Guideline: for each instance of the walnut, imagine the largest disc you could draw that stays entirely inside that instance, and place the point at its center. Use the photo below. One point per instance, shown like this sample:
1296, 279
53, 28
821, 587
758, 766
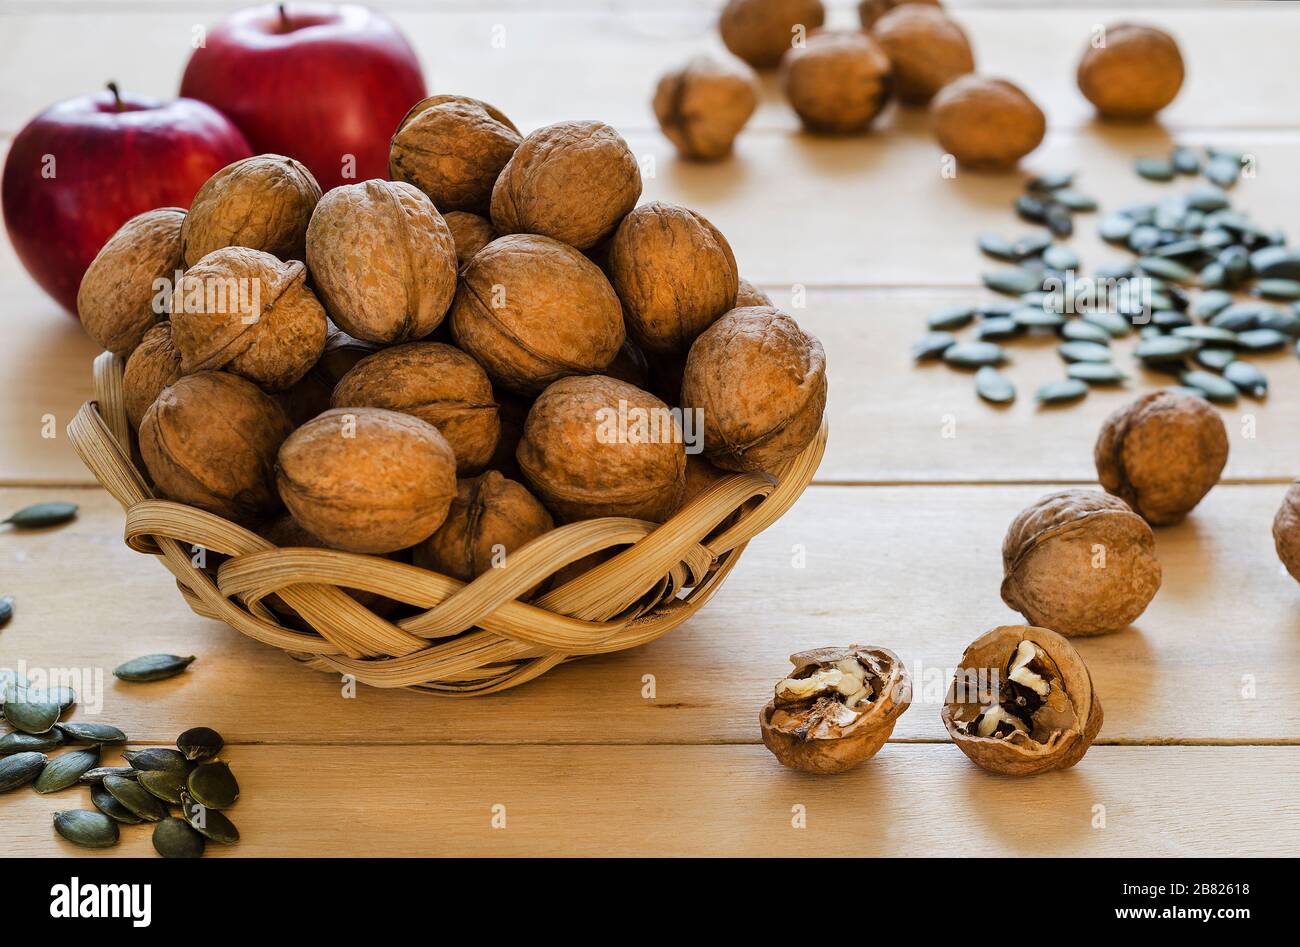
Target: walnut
310, 395
1136, 73
702, 107
761, 31
452, 148
926, 49
210, 440
383, 260
760, 382
512, 411
435, 383
153, 366
119, 301
1022, 702
869, 11
595, 446
1286, 531
836, 709
675, 274
700, 475
573, 181
532, 309
490, 518
747, 294
986, 123
470, 233
1161, 454
246, 312
262, 202
1081, 562
630, 365
284, 532
838, 82
366, 479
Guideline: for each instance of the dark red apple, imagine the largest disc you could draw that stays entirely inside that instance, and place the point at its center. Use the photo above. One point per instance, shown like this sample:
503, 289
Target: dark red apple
82, 168
326, 85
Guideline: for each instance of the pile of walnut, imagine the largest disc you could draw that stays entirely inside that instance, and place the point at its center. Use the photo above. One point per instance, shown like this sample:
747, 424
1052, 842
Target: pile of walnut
388, 361
839, 80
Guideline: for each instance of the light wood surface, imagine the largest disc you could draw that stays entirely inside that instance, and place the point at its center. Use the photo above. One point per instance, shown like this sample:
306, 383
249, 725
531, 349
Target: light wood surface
656, 750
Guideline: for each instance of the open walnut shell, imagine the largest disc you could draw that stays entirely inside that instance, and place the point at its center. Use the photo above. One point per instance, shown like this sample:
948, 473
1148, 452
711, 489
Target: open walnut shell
1022, 702
836, 708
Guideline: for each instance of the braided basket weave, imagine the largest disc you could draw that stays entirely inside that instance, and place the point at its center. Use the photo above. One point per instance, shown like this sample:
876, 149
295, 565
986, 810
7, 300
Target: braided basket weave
465, 639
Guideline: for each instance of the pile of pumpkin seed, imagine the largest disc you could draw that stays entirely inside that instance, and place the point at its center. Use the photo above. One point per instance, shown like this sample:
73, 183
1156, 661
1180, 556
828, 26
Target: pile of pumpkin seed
1191, 239
191, 777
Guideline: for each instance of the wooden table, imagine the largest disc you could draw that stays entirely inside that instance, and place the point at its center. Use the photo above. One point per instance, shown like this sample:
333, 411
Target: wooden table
897, 543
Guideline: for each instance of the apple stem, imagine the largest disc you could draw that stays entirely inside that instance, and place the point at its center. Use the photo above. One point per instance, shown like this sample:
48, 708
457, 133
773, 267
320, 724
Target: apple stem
117, 97
284, 16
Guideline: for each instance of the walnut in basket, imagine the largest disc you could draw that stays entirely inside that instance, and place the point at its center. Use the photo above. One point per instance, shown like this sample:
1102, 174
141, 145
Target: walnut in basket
210, 440
470, 232
153, 366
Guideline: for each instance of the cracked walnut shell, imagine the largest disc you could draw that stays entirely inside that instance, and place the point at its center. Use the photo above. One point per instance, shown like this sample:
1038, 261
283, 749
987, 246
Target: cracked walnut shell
1022, 702
762, 31
674, 273
1134, 73
366, 479
244, 311
118, 300
153, 366
531, 309
383, 261
837, 82
1286, 531
702, 107
1161, 454
595, 446
760, 382
436, 383
573, 182
926, 49
210, 440
452, 148
986, 123
836, 708
1081, 562
262, 202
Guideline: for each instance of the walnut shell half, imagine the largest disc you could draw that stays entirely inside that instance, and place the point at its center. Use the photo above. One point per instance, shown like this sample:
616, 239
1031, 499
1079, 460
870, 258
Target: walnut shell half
836, 709
702, 107
1286, 530
837, 82
1136, 73
986, 123
1161, 454
1080, 561
1022, 702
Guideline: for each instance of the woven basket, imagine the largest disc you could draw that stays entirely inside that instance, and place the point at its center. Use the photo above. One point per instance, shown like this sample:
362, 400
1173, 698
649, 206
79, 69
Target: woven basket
465, 639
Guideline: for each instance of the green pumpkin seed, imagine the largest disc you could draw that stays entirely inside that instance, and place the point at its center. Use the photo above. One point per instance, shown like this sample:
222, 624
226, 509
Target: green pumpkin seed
65, 697
974, 354
1155, 169
32, 712
1116, 228
1113, 324
1248, 379
1223, 172
999, 327
1237, 318
1060, 392
175, 838
1284, 321
1167, 269
1083, 352
210, 823
1075, 200
157, 758
95, 776
214, 786
152, 667
82, 732
1145, 238
140, 802
998, 247
1213, 276
932, 345
103, 800
1185, 160
1276, 263
996, 307
163, 784
1215, 387
990, 384
1261, 340
1051, 181
86, 828
1176, 248
6, 609
1206, 198
202, 743
1216, 359
1165, 348
1034, 317
954, 317
1210, 304
40, 515
1076, 330
1061, 258
1209, 334
1031, 245
20, 769
1013, 282
65, 770
19, 742
1278, 289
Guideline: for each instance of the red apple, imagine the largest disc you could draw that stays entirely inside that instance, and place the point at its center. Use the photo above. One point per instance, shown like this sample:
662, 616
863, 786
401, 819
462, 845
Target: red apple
82, 168
326, 85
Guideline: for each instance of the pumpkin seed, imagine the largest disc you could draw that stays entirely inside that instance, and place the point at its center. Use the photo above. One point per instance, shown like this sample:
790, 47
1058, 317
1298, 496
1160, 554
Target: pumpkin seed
1076, 330
1031, 208
1248, 379
92, 733
1013, 282
1166, 269
1223, 172
932, 345
140, 802
1278, 289
1113, 324
1051, 181
974, 354
997, 246
1237, 318
1213, 276
1164, 348
210, 823
202, 743
65, 770
1083, 352
1210, 334
1034, 317
163, 784
1178, 248
32, 712
1031, 245
157, 758
152, 667
1283, 320
1155, 169
20, 769
1144, 238
175, 838
996, 307
65, 697
1217, 239
1116, 228
1261, 340
19, 742
1206, 198
103, 800
96, 776
954, 317
1058, 220
999, 327
1215, 387
1075, 200
1276, 263
991, 385
1217, 359
86, 828
1185, 160
39, 515
6, 609
213, 784
1211, 303
1060, 392
1061, 258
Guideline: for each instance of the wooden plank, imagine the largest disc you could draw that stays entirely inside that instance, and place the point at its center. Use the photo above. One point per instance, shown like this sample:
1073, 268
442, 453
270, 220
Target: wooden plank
725, 800
916, 569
